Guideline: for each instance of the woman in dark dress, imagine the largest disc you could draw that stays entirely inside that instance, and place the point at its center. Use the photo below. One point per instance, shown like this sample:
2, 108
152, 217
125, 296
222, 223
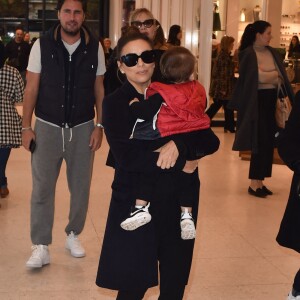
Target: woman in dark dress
289, 151
129, 260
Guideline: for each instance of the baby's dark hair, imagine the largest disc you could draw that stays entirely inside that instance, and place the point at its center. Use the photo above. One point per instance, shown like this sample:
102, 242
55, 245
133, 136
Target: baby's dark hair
177, 64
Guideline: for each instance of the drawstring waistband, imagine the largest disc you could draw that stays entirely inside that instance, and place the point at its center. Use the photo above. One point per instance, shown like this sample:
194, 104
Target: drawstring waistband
63, 137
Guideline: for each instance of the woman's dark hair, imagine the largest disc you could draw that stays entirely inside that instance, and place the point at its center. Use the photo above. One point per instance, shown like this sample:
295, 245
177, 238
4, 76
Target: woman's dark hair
159, 39
1, 54
60, 3
292, 46
130, 36
177, 64
173, 32
249, 35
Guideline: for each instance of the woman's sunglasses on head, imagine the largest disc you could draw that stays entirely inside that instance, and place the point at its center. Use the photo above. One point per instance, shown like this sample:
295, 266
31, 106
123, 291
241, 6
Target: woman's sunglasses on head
147, 23
131, 59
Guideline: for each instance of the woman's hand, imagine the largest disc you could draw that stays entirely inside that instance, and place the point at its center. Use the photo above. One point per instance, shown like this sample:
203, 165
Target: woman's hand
167, 156
190, 166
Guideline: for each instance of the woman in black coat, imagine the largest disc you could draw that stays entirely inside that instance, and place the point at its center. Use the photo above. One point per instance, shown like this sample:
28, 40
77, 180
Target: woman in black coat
129, 259
261, 72
289, 150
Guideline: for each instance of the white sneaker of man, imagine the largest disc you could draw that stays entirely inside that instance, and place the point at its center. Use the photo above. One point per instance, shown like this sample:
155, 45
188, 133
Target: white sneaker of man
291, 297
73, 244
40, 256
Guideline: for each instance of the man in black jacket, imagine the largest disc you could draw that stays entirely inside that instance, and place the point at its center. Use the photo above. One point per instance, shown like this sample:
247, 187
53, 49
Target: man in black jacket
17, 52
65, 82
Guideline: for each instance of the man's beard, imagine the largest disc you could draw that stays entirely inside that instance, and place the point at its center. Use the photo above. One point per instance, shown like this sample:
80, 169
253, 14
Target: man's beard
71, 33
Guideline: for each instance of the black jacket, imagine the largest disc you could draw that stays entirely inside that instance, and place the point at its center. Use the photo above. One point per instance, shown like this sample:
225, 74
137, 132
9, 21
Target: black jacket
122, 263
289, 150
66, 93
245, 101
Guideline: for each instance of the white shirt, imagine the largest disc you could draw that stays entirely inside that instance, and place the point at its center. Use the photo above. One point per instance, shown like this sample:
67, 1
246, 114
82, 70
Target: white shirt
35, 66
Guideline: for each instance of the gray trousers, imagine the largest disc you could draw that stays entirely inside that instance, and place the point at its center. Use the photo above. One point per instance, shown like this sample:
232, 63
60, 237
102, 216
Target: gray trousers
53, 145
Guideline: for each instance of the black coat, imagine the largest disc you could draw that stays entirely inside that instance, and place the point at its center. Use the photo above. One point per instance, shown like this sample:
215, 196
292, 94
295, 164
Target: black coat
128, 259
289, 150
245, 101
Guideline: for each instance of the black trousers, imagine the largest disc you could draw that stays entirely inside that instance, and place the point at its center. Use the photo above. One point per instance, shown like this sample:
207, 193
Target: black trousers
4, 155
261, 162
228, 113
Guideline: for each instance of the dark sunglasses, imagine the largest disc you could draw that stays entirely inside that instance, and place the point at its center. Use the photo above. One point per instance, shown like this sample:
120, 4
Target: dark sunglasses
147, 23
131, 59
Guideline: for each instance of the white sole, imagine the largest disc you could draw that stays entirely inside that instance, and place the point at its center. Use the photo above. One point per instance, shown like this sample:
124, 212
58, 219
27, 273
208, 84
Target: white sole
139, 221
73, 254
35, 266
188, 230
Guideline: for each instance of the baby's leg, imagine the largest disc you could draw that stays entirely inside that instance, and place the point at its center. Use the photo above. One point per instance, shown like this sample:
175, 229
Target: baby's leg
138, 216
187, 224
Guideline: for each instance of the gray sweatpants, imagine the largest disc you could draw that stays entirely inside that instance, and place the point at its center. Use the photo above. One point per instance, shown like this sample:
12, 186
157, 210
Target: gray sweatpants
53, 144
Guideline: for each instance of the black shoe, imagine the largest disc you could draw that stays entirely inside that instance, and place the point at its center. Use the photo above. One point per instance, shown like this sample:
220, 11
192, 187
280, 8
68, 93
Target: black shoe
258, 193
266, 190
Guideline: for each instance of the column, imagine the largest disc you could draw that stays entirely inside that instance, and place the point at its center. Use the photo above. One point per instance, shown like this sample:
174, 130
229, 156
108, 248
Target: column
205, 43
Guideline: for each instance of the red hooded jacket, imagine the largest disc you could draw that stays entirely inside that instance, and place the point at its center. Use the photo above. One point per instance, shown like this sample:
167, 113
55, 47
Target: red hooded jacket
184, 107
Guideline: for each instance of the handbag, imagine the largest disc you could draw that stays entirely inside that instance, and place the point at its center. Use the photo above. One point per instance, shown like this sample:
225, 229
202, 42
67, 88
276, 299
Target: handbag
283, 108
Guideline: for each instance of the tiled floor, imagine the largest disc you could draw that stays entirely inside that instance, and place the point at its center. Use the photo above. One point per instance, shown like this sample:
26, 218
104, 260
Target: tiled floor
236, 256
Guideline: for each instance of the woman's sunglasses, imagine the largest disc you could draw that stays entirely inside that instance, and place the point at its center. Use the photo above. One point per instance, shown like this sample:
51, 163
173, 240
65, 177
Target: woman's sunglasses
131, 59
147, 23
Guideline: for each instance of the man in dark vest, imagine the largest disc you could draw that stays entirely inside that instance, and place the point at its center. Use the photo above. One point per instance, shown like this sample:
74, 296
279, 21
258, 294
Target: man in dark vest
64, 84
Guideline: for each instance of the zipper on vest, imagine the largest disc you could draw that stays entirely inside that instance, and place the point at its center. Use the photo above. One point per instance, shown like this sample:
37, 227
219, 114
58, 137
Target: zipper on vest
70, 57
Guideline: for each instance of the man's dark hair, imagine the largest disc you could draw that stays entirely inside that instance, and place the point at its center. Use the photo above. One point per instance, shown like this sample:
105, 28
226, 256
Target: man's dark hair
19, 27
61, 2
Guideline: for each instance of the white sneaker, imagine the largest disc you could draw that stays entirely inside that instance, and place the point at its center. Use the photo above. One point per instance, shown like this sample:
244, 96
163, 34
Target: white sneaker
291, 297
73, 244
39, 257
137, 218
188, 230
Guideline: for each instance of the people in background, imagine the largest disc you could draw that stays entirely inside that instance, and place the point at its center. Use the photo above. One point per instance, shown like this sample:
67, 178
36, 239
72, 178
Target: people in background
11, 92
222, 80
288, 146
129, 260
63, 88
261, 73
17, 52
27, 37
294, 48
107, 50
175, 36
141, 20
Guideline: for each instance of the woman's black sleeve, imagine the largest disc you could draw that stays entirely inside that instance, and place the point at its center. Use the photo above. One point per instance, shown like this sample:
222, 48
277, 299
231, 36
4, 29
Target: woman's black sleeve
147, 109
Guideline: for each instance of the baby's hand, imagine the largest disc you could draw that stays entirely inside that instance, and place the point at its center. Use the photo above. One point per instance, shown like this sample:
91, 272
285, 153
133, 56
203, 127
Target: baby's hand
133, 100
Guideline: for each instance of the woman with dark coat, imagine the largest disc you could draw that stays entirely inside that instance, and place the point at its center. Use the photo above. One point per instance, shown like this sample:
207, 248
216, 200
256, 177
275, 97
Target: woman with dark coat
261, 73
129, 259
222, 80
289, 150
